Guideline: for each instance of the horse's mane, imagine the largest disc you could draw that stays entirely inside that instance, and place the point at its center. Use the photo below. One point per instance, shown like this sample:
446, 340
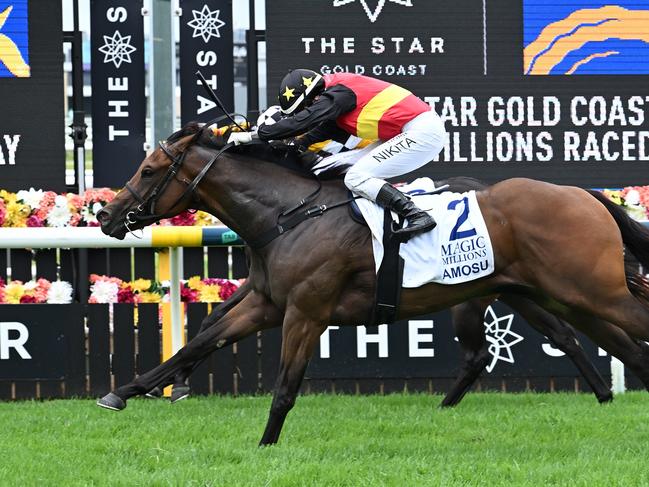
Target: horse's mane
280, 153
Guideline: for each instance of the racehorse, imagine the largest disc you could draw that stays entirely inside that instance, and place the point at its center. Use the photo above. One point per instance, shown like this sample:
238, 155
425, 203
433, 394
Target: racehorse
555, 245
467, 321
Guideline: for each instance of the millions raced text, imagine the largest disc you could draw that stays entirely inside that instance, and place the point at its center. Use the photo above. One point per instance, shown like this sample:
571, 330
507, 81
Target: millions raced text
526, 129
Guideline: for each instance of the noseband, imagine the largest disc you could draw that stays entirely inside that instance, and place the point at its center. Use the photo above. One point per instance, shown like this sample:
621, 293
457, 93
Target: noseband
145, 211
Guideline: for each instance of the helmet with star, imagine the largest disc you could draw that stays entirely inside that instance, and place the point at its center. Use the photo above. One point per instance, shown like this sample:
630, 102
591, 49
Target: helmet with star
298, 89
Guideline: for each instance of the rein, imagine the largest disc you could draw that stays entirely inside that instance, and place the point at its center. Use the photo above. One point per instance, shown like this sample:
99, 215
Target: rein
286, 220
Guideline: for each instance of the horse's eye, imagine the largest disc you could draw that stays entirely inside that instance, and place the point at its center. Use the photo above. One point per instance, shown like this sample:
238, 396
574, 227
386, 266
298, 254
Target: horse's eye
147, 173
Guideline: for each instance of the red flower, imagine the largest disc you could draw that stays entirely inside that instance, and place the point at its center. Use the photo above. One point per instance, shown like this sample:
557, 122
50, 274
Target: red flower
27, 299
227, 289
188, 295
125, 295
184, 219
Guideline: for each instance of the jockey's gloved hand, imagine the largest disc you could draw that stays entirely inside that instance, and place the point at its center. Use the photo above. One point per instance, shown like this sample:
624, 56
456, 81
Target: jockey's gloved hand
238, 138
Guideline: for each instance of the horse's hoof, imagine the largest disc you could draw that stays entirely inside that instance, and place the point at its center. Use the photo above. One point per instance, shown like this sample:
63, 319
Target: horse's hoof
606, 399
111, 401
154, 393
178, 393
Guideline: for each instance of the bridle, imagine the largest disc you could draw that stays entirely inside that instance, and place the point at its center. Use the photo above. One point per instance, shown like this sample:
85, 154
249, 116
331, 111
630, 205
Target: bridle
145, 211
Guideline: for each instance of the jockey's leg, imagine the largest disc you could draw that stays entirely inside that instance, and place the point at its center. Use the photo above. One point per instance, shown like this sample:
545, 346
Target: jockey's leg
420, 141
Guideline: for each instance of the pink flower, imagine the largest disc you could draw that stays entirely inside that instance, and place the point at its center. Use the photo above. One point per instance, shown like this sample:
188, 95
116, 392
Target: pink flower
227, 289
47, 203
75, 200
41, 290
210, 281
74, 221
188, 295
99, 195
34, 221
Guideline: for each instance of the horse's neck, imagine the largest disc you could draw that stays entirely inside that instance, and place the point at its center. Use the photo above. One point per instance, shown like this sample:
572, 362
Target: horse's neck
248, 195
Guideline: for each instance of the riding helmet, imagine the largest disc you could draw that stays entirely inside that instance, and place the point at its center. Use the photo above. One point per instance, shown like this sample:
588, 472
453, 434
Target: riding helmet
298, 89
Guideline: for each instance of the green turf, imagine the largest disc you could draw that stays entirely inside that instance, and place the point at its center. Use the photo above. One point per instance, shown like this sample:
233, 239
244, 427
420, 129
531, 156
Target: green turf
401, 440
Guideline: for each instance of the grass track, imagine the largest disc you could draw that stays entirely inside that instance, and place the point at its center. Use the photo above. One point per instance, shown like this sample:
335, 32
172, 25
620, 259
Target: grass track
402, 440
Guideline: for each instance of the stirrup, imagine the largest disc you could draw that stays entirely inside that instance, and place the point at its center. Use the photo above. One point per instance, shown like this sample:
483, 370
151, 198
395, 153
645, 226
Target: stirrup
411, 231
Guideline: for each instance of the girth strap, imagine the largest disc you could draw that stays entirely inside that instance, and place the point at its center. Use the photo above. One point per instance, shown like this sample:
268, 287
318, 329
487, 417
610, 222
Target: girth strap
390, 276
284, 226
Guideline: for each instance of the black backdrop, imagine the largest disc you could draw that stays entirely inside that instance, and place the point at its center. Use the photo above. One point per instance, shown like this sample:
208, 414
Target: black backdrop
482, 59
205, 45
32, 108
118, 102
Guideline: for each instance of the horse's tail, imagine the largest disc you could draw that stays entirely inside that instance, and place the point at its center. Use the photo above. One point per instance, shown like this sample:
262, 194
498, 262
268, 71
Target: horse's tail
637, 284
634, 235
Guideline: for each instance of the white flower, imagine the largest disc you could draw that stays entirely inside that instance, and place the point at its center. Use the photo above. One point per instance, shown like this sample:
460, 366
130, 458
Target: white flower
59, 215
60, 292
89, 213
31, 198
30, 285
104, 291
632, 198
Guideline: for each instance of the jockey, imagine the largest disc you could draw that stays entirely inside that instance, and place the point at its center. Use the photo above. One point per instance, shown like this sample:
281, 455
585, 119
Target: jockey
407, 134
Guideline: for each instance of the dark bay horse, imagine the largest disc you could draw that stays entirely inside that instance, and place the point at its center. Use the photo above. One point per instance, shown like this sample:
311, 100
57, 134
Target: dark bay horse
555, 245
468, 324
467, 321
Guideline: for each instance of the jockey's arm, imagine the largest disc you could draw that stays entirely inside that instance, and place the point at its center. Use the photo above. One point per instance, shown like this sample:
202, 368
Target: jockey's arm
329, 106
324, 132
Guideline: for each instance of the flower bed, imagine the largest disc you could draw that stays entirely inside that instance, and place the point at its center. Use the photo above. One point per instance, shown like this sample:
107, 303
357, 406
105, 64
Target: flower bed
105, 289
634, 199
36, 291
38, 208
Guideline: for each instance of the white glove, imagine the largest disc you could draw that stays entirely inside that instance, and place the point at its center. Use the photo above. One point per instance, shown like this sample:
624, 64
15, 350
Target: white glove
240, 138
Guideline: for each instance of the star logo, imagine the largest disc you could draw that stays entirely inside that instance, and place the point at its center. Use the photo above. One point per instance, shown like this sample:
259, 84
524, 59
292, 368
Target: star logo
307, 81
500, 337
206, 23
117, 49
288, 93
373, 14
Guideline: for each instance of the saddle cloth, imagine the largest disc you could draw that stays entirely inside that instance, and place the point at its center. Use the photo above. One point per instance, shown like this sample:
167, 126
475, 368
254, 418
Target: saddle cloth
458, 250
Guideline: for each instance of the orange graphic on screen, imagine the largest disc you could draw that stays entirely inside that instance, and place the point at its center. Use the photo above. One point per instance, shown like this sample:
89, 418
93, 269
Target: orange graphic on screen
10, 55
558, 39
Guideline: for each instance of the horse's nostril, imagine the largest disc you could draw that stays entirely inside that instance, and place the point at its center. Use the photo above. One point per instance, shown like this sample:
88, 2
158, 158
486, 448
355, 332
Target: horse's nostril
102, 216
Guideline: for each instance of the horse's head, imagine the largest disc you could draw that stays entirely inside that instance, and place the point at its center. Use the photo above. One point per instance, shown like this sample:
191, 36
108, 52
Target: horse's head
164, 185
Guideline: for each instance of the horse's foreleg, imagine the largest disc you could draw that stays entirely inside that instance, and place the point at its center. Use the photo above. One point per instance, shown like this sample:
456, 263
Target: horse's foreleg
468, 322
180, 387
255, 312
562, 336
299, 338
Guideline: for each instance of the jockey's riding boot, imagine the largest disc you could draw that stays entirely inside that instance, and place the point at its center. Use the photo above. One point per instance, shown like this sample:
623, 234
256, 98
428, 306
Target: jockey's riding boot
418, 220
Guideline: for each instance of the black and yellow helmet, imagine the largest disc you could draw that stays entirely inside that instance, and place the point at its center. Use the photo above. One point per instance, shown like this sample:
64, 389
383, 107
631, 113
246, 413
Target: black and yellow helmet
298, 88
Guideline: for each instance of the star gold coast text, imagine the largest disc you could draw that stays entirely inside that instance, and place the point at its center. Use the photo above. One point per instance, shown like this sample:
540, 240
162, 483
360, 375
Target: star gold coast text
411, 46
